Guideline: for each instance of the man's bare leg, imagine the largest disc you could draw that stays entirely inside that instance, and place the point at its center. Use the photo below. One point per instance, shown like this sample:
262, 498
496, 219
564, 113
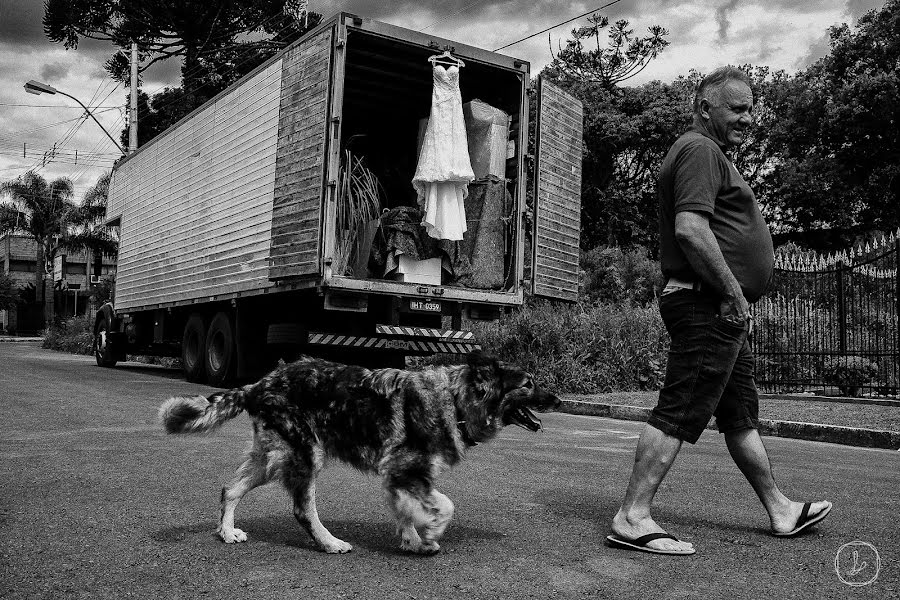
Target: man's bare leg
656, 451
749, 454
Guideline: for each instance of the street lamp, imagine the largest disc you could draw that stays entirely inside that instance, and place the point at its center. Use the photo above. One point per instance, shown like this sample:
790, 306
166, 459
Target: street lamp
36, 88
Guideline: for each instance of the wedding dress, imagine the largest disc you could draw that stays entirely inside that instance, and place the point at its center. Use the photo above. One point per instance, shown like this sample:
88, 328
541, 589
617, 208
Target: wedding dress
444, 169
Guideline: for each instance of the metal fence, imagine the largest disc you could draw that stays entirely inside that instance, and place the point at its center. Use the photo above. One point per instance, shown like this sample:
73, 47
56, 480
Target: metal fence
829, 324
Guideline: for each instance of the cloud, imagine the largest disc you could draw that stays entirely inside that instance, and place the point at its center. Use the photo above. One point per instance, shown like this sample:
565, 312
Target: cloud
722, 14
55, 71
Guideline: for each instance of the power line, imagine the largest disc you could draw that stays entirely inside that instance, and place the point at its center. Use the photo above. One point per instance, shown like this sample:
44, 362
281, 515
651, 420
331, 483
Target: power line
528, 37
52, 106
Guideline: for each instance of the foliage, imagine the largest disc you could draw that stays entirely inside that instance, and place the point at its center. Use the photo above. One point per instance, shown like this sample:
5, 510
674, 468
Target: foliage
9, 293
836, 141
86, 228
103, 291
211, 36
39, 209
219, 41
582, 349
627, 131
613, 275
848, 373
72, 335
623, 57
358, 202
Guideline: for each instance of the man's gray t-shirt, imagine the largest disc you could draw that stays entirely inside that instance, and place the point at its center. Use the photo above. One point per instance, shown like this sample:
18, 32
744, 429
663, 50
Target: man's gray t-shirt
697, 176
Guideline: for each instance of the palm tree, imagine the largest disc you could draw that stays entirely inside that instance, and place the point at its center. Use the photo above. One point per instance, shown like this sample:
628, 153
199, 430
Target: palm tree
87, 227
40, 209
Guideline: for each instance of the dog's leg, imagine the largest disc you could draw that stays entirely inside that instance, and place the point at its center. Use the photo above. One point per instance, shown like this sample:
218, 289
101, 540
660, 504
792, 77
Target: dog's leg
254, 472
301, 482
415, 509
440, 508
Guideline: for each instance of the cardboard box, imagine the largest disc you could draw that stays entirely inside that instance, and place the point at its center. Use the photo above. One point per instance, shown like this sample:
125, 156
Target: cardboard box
410, 270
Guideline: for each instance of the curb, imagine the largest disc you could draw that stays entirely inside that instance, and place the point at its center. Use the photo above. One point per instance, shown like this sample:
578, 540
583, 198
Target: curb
834, 434
838, 399
19, 340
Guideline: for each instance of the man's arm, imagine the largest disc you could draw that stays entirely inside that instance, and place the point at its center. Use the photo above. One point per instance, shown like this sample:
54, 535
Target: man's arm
697, 241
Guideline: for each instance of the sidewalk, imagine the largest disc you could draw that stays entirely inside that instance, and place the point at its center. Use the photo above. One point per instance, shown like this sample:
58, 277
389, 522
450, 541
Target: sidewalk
838, 421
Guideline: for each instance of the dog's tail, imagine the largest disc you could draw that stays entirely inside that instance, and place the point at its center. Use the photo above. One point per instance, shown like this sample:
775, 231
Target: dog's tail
198, 414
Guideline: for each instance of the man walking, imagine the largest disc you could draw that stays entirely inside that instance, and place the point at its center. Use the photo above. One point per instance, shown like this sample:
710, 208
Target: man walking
716, 255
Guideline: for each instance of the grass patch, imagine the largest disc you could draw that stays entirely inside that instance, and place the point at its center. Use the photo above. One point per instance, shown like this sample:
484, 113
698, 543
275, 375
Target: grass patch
577, 349
71, 335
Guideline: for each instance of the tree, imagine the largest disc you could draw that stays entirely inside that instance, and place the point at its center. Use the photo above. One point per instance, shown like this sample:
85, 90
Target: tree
87, 230
623, 57
837, 137
41, 210
9, 294
206, 34
624, 128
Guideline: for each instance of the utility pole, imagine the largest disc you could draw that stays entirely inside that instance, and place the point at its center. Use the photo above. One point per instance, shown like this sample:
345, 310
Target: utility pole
133, 112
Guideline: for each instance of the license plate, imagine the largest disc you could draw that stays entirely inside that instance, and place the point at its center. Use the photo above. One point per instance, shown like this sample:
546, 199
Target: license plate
424, 306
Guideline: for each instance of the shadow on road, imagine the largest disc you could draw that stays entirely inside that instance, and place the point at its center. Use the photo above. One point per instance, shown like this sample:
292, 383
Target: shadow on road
373, 536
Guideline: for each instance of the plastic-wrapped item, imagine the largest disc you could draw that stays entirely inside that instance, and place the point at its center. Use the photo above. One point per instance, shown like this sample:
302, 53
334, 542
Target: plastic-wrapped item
487, 130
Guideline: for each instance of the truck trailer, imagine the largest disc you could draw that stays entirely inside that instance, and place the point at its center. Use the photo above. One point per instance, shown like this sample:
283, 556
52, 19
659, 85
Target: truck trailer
279, 217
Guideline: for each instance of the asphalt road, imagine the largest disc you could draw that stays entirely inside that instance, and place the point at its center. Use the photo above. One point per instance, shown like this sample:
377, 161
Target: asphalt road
97, 502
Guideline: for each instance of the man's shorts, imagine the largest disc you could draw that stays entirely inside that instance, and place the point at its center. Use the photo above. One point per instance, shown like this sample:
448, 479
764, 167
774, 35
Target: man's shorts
710, 369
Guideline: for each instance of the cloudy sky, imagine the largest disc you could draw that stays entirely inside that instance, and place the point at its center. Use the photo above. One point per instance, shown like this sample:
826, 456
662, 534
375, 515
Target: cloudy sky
783, 34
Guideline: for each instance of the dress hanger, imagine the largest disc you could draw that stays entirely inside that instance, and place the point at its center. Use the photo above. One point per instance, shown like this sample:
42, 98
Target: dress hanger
446, 58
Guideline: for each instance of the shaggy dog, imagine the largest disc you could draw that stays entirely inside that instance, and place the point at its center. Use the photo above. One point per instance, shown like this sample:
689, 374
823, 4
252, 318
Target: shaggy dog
406, 426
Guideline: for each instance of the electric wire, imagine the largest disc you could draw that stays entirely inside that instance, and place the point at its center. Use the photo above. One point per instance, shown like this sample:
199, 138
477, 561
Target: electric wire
529, 36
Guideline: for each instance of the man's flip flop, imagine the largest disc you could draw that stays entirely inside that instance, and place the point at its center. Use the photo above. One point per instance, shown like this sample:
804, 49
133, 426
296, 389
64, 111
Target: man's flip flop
641, 543
805, 520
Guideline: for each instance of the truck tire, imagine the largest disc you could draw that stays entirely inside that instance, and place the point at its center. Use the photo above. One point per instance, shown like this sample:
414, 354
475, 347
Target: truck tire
103, 350
221, 351
193, 349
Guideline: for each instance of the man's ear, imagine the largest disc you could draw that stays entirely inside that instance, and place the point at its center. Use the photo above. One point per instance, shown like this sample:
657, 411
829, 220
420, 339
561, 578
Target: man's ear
704, 107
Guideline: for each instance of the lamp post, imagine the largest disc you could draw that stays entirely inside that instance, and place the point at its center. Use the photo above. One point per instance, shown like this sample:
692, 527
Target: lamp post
36, 87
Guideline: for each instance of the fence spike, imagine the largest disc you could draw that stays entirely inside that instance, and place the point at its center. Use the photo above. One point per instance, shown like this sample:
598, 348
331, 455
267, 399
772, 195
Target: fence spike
868, 248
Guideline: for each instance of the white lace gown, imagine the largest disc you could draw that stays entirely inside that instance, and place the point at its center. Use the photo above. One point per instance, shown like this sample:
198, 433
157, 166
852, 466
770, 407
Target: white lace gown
444, 169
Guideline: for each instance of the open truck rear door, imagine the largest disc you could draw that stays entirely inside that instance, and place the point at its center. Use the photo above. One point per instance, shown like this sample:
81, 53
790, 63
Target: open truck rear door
557, 194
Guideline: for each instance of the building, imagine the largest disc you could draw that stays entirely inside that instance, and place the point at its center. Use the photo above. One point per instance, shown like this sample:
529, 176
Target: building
67, 286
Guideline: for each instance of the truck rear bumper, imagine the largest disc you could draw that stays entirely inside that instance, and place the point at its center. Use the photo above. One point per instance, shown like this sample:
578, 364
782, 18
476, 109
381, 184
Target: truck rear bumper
443, 292
410, 340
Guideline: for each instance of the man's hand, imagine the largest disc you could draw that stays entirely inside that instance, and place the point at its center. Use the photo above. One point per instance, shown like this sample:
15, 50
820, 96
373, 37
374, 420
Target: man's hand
736, 309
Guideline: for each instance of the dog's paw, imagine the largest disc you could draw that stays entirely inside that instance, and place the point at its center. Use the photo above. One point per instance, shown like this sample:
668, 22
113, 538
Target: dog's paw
336, 546
426, 548
232, 536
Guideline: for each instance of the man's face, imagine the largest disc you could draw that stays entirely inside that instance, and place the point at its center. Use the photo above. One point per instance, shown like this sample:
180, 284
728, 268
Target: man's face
728, 112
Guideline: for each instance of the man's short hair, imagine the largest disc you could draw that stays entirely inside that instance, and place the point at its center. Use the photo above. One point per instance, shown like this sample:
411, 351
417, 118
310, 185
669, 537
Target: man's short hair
712, 83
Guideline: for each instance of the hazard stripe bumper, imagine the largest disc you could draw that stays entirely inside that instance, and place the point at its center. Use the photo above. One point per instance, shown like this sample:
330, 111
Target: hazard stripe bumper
411, 346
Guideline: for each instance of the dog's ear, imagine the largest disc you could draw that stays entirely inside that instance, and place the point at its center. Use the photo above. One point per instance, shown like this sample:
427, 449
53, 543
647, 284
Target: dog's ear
482, 367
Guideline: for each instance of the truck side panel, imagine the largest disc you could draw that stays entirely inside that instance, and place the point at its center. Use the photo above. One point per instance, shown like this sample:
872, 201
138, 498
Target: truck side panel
196, 205
300, 172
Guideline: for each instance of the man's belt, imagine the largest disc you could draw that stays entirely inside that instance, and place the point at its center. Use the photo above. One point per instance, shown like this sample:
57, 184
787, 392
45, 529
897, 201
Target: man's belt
685, 285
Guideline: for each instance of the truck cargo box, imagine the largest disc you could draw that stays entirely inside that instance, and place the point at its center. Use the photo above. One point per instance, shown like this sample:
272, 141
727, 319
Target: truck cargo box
241, 197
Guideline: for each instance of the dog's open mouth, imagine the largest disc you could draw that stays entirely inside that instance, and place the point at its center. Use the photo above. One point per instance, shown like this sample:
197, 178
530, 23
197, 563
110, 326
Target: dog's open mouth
523, 417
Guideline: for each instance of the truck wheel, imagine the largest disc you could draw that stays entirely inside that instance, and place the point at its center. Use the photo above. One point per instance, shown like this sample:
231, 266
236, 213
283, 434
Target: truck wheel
102, 348
193, 349
221, 352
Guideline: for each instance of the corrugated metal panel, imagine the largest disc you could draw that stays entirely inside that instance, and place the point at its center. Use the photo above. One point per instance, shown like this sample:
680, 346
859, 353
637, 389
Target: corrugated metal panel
299, 174
557, 194
196, 204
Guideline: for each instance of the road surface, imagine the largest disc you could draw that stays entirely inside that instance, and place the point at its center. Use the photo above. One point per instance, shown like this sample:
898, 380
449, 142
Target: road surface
97, 502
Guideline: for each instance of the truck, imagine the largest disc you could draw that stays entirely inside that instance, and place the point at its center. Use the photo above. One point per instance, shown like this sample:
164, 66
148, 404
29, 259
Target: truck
270, 220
